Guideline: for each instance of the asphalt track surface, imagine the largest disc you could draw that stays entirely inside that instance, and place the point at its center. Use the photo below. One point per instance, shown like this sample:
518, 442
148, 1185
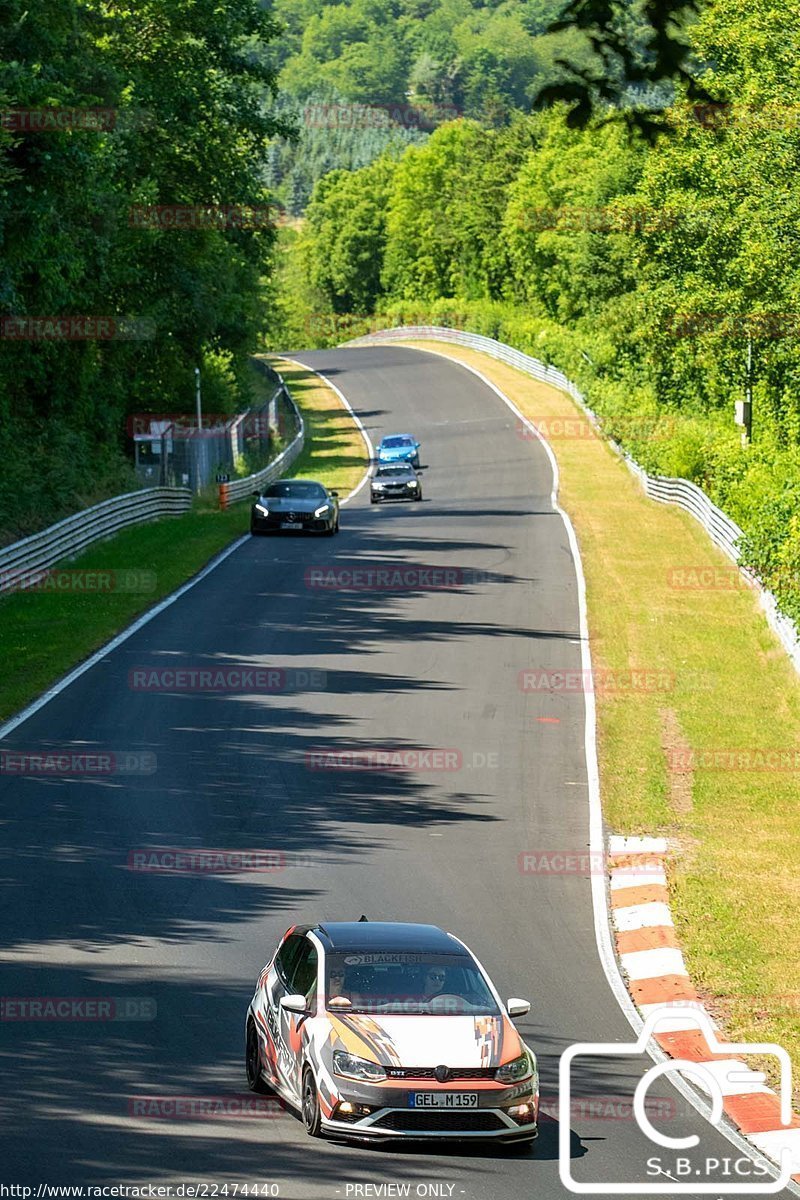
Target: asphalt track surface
416, 668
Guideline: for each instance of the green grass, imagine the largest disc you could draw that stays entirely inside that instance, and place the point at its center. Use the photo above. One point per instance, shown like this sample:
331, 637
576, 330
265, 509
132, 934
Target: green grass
334, 450
44, 634
734, 882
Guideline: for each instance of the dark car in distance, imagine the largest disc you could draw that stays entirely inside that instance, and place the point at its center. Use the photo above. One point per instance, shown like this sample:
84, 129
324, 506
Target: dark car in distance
295, 505
395, 481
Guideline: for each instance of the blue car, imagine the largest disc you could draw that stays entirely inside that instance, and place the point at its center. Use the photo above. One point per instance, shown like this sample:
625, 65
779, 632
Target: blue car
399, 447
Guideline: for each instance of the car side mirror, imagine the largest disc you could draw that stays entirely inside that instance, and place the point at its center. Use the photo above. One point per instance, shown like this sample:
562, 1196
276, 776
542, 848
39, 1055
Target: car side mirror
517, 1007
294, 1003
336, 494
257, 495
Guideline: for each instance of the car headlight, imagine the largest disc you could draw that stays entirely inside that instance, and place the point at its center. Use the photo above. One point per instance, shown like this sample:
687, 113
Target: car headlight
323, 508
516, 1070
353, 1067
412, 483
262, 510
378, 487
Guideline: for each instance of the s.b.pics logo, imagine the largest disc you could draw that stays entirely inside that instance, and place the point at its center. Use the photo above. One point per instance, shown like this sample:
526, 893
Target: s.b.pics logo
721, 1073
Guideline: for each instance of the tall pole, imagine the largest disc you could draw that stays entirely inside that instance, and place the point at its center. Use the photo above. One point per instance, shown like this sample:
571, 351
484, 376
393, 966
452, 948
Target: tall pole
197, 397
747, 432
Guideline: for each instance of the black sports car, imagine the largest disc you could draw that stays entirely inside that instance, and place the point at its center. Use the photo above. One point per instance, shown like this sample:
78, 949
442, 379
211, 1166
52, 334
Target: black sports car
395, 481
299, 505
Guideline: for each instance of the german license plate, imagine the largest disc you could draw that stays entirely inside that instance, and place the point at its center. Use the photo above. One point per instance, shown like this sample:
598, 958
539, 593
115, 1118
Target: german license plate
443, 1100
291, 524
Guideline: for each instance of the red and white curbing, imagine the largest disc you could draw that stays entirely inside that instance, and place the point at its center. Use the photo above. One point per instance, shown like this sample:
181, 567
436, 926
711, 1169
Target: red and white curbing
657, 977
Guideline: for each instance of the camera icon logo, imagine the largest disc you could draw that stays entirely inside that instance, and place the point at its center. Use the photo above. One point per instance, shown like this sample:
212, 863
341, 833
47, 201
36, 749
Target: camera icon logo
721, 1076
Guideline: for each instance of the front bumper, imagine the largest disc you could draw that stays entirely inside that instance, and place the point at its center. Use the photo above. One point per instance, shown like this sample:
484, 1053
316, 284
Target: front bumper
392, 1116
274, 524
400, 493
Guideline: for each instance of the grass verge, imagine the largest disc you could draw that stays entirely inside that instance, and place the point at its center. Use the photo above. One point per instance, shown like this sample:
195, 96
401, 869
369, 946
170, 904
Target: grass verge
334, 450
45, 634
684, 756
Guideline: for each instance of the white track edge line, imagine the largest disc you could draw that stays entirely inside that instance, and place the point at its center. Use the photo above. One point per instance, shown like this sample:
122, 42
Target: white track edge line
602, 924
358, 422
76, 672
100, 654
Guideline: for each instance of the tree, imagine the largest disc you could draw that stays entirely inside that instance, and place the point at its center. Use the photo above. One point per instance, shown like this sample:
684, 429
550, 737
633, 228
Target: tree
188, 125
347, 235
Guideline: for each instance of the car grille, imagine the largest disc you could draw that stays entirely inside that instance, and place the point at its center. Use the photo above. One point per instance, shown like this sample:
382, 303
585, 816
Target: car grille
430, 1073
431, 1121
278, 518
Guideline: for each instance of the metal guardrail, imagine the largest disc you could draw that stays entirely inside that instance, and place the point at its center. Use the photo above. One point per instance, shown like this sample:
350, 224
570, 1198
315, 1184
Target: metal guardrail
723, 532
242, 489
23, 563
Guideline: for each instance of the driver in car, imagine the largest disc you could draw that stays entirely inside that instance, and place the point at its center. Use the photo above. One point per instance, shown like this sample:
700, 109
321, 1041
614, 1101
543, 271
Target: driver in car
433, 982
341, 985
336, 985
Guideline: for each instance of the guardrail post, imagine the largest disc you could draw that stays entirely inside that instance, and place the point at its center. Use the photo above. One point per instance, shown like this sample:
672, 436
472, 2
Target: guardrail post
223, 496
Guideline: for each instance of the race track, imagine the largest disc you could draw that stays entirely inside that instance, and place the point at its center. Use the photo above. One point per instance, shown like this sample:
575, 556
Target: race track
412, 667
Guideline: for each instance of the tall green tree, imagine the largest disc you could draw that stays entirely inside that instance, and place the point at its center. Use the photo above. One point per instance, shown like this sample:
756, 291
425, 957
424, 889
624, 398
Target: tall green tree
187, 87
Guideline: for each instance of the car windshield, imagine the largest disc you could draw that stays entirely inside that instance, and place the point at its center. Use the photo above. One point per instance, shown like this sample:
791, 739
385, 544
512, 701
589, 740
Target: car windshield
390, 982
292, 490
394, 443
400, 470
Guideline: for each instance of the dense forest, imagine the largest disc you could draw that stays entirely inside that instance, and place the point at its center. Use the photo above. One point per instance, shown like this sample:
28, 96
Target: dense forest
660, 271
113, 109
110, 109
472, 55
664, 277
366, 76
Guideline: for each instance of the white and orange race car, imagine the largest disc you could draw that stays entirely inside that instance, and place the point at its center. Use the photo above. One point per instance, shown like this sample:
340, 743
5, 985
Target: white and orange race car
384, 1030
